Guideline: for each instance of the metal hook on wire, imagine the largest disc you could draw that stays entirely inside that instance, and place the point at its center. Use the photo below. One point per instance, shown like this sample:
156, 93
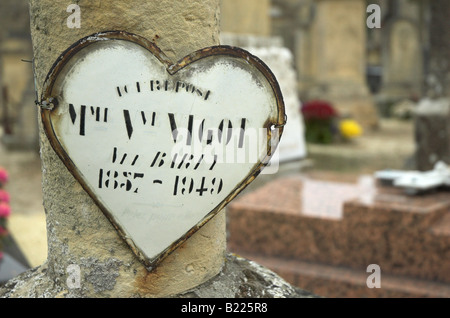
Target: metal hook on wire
51, 102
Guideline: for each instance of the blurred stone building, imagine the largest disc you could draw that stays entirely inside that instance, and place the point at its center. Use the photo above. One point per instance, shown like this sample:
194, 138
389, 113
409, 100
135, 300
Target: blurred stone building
363, 72
18, 114
338, 58
401, 68
328, 39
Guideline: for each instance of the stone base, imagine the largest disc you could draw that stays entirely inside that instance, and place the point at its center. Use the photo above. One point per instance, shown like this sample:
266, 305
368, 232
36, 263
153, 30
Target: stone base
242, 278
239, 278
345, 282
346, 227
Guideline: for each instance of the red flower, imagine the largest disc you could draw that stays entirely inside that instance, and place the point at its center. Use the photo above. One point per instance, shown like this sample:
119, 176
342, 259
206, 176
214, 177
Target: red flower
4, 196
318, 109
5, 210
3, 176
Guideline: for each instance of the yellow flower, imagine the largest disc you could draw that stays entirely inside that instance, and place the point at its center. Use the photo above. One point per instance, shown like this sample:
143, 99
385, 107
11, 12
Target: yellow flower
350, 128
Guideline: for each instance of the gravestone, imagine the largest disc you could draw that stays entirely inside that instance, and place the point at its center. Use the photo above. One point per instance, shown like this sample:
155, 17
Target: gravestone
328, 243
18, 114
402, 61
432, 117
432, 132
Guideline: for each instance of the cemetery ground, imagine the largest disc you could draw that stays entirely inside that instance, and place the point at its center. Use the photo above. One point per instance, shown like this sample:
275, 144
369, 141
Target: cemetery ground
390, 146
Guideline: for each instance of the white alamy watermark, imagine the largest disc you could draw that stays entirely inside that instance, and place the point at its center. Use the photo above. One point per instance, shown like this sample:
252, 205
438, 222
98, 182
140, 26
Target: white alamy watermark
374, 279
74, 20
374, 19
228, 145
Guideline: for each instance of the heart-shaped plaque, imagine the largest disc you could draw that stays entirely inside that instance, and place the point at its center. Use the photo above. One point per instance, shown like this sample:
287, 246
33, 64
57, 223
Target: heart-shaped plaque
160, 147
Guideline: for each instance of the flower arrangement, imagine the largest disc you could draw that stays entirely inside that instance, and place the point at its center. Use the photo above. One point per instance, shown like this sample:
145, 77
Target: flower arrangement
5, 209
324, 125
349, 129
319, 117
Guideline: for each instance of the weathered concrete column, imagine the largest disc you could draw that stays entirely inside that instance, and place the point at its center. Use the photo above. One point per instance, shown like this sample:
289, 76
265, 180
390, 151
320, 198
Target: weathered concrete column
78, 232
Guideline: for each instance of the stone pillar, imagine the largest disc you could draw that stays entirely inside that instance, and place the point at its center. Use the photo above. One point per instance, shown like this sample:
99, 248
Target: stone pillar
245, 17
432, 116
402, 56
16, 76
432, 133
438, 76
80, 237
402, 77
334, 47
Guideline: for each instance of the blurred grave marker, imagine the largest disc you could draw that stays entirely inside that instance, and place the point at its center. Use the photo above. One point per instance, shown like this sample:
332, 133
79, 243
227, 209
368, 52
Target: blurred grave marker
432, 133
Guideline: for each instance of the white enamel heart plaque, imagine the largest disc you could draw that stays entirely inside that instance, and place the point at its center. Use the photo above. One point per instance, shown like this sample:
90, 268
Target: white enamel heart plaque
160, 147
